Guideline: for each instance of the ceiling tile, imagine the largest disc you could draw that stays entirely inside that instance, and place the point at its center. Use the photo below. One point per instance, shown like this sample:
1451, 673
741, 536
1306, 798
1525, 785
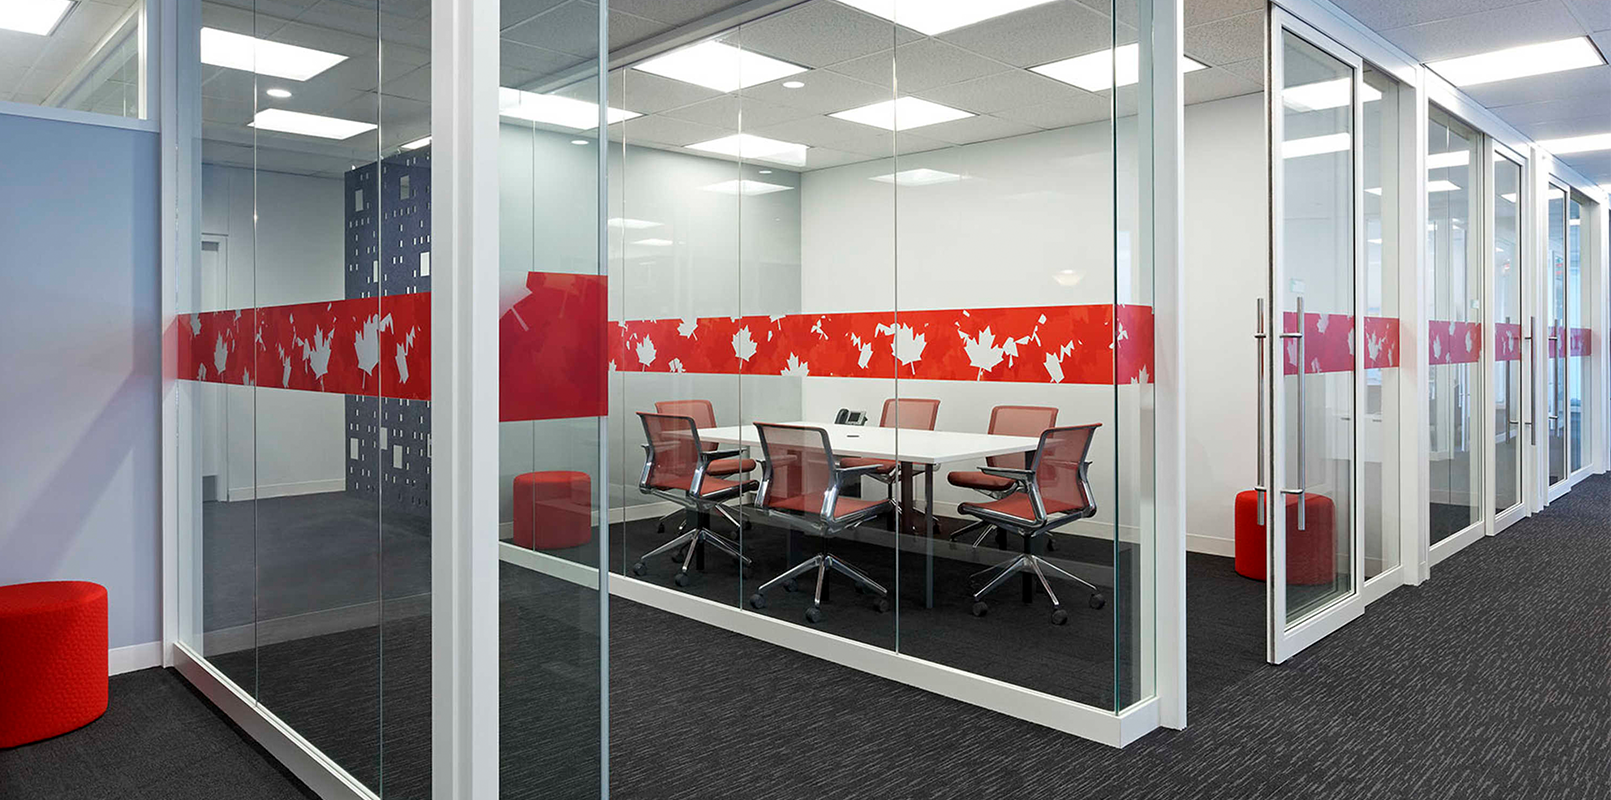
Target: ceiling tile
20, 49
1039, 35
821, 33
975, 129
673, 13
885, 143
1595, 13
665, 130
1380, 15
813, 131
1597, 122
1249, 70
1011, 89
728, 111
1512, 26
1090, 108
415, 85
922, 65
1525, 114
1578, 83
87, 23
1216, 84
1126, 11
1198, 12
647, 94
627, 29
534, 59
1227, 40
571, 28
515, 12
823, 157
824, 92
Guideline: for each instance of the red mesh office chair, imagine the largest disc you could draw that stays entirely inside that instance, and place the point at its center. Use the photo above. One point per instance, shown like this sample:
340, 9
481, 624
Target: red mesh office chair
800, 487
704, 416
1007, 421
909, 413
1054, 491
677, 469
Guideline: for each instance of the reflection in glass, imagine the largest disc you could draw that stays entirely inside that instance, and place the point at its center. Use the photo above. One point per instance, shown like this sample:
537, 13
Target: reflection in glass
1509, 375
1379, 429
1453, 309
1555, 370
1316, 306
1575, 343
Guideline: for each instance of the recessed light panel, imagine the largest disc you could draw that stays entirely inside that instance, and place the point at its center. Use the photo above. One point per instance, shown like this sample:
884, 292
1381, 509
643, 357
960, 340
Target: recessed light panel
417, 144
654, 242
902, 113
1316, 145
918, 177
1105, 69
932, 17
38, 17
552, 109
631, 224
282, 121
719, 66
746, 187
1519, 62
237, 51
1577, 144
757, 148
1453, 158
1322, 95
1441, 186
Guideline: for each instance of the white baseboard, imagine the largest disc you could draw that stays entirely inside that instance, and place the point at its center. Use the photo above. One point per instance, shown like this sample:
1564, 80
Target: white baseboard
1211, 545
268, 490
135, 656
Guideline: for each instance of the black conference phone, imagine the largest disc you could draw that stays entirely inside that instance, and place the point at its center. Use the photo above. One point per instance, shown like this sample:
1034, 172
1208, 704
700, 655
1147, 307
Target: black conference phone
849, 417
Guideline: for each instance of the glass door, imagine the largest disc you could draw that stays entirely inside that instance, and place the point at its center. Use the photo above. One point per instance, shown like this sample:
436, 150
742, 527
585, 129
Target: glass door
1556, 353
1511, 360
1310, 357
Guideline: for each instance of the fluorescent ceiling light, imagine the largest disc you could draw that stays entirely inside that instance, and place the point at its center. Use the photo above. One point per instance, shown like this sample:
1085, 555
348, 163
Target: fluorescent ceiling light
282, 121
38, 17
1453, 158
1509, 198
238, 51
794, 84
902, 113
1577, 144
552, 109
918, 177
278, 94
1519, 62
1322, 95
1315, 145
654, 242
1440, 186
746, 187
632, 224
718, 66
417, 144
932, 17
1574, 222
760, 148
1375, 191
1104, 69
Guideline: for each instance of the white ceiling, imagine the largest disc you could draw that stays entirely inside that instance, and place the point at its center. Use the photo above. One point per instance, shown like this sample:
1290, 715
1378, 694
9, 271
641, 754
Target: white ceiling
31, 67
1570, 103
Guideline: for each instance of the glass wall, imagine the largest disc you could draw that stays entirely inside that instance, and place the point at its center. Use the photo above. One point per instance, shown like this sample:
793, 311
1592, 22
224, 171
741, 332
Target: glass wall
1579, 313
1510, 377
799, 248
304, 352
1379, 431
84, 56
1556, 310
1454, 313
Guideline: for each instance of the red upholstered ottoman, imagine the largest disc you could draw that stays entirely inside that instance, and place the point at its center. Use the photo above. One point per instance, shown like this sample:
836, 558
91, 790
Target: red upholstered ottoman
553, 510
1311, 553
52, 659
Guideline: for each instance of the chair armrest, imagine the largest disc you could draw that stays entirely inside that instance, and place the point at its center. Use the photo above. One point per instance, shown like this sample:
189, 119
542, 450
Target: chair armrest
1008, 472
846, 473
717, 455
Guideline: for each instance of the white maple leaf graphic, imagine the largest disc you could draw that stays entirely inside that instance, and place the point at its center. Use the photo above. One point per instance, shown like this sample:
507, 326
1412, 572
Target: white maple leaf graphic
220, 355
796, 367
367, 342
285, 368
1054, 368
195, 324
687, 327
983, 353
743, 344
1373, 346
1437, 347
1322, 322
646, 352
904, 343
1468, 341
676, 365
317, 352
1142, 377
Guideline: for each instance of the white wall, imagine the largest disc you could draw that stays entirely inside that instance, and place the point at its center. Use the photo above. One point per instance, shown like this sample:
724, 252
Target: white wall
278, 441
80, 328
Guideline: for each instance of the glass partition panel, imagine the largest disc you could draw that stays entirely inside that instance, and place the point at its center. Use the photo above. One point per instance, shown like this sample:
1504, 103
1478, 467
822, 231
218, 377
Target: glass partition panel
1579, 310
83, 56
1380, 478
552, 400
1555, 310
1453, 308
1510, 379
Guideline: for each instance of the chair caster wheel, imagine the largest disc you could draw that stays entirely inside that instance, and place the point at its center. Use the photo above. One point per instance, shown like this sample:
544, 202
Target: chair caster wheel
881, 605
677, 555
790, 586
813, 615
640, 569
1098, 601
1059, 617
757, 601
1051, 545
980, 608
681, 579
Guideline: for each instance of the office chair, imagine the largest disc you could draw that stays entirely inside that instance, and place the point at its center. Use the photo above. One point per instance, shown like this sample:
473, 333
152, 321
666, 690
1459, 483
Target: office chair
1006, 421
800, 488
677, 469
908, 413
1054, 491
704, 416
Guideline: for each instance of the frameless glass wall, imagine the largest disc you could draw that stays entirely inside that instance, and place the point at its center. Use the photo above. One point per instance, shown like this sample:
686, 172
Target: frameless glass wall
304, 363
1454, 324
1380, 480
1510, 376
1579, 313
920, 236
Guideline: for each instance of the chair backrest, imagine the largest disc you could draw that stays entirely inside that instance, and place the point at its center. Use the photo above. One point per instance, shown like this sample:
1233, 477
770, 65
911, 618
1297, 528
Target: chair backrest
911, 413
1019, 421
798, 466
673, 451
701, 411
1060, 467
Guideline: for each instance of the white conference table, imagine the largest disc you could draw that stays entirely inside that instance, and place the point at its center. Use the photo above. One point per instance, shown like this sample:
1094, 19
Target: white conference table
928, 448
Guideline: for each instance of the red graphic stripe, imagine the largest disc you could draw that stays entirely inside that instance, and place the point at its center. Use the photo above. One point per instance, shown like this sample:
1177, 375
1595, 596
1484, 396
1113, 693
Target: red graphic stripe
551, 362
1052, 344
1328, 343
1507, 341
1453, 342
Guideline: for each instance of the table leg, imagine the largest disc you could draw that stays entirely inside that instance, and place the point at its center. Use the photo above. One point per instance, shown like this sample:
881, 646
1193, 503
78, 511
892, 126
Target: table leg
905, 524
928, 537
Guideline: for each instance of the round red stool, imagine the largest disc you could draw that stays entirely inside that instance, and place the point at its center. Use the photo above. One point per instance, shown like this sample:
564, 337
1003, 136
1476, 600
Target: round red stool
1311, 552
52, 659
553, 510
